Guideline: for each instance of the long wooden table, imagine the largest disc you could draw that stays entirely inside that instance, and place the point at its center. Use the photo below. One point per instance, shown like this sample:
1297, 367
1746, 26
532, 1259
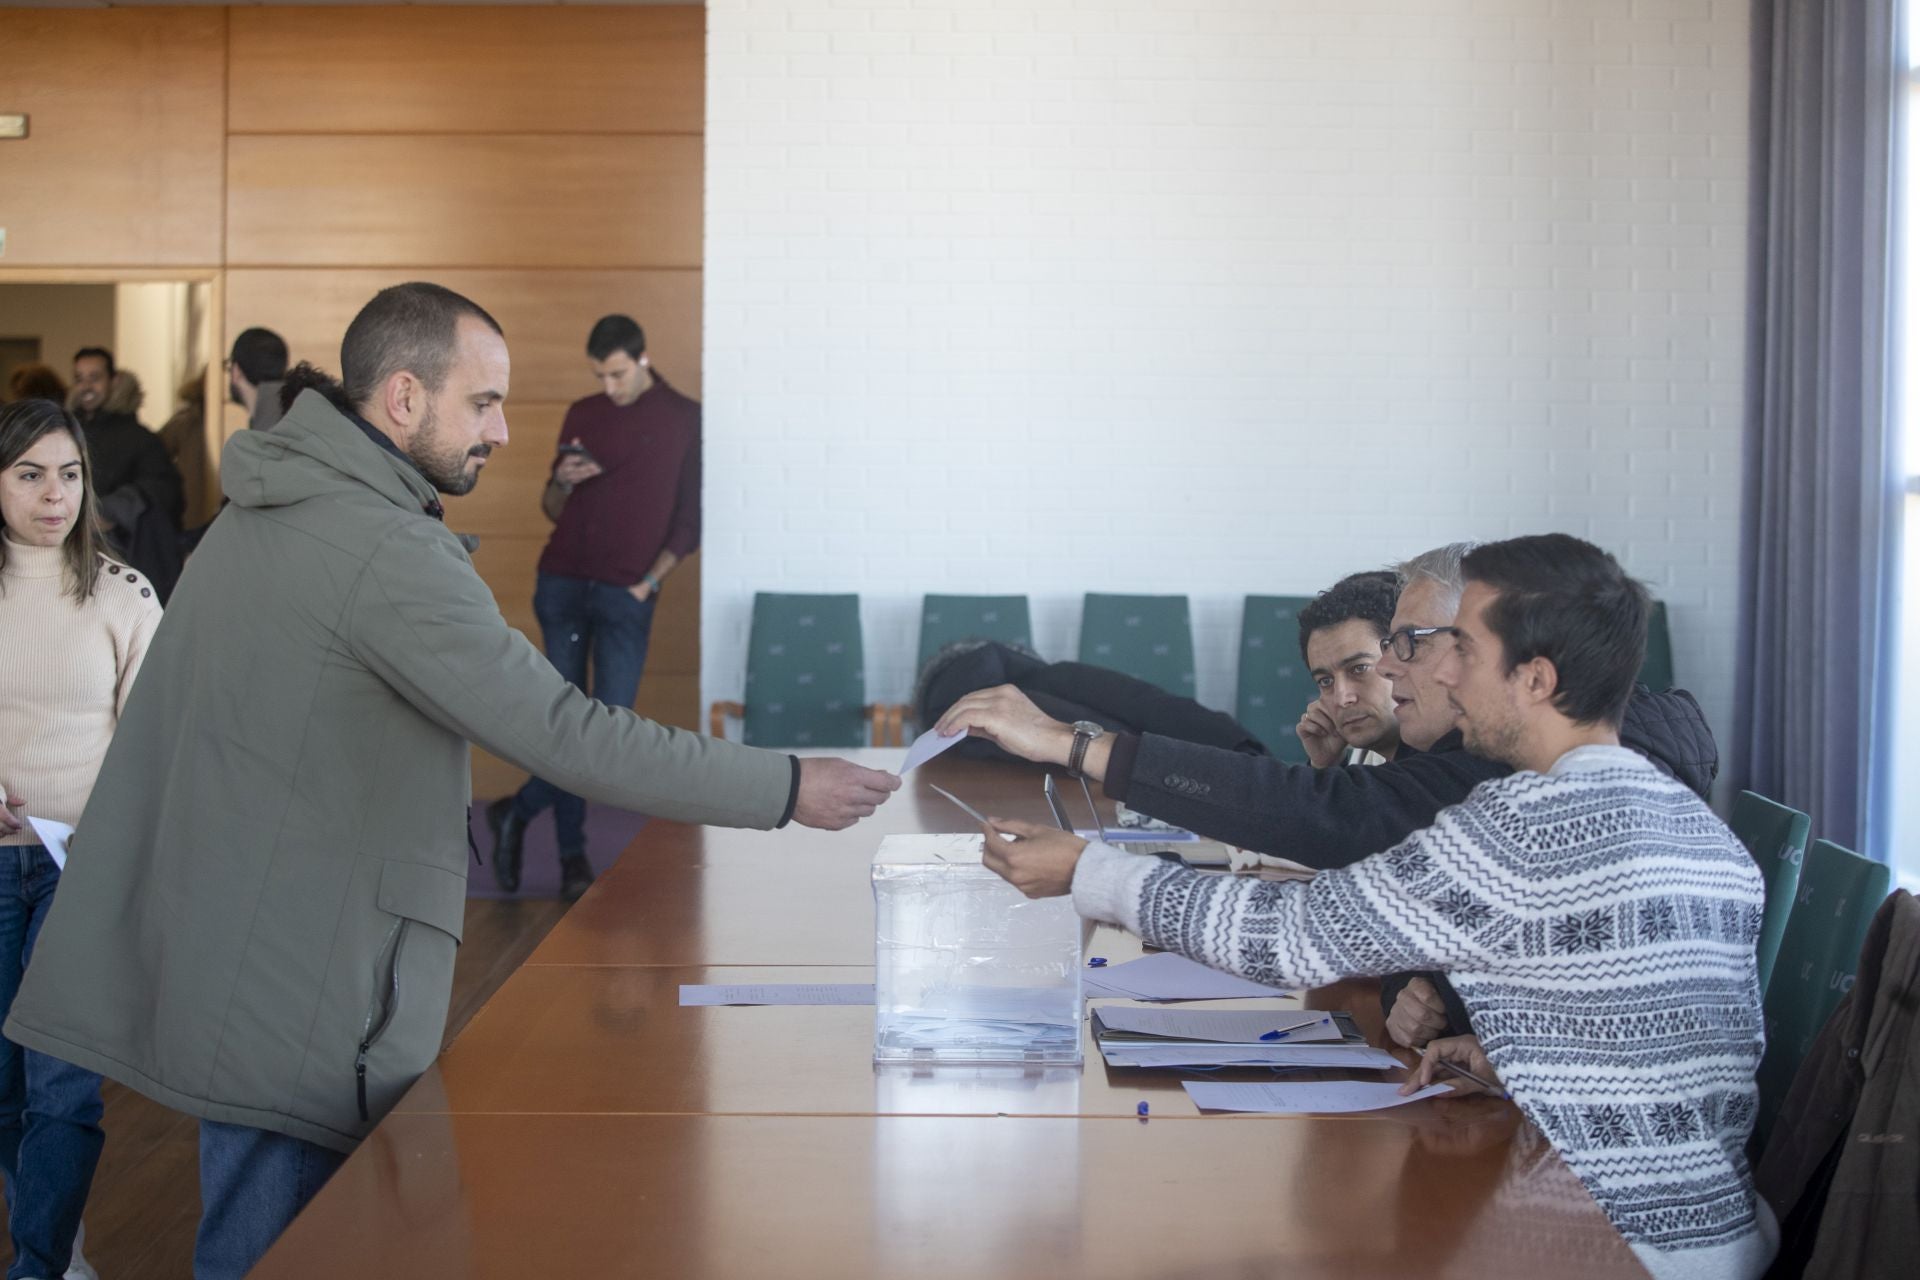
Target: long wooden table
584, 1124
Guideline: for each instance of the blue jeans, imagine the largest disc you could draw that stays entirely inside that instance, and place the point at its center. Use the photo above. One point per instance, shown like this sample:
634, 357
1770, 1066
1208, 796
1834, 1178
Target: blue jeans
579, 617
252, 1184
50, 1135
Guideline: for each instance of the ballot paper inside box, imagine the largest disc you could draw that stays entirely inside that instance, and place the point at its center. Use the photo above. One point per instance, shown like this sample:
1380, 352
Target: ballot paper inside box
966, 967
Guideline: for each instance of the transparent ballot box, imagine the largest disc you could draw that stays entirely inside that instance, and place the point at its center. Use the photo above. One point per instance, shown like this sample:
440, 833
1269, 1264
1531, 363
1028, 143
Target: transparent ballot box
966, 968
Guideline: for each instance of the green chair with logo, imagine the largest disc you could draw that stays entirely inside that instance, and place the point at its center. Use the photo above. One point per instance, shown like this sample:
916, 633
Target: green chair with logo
1148, 637
1275, 686
806, 677
945, 620
1839, 892
1657, 671
1776, 836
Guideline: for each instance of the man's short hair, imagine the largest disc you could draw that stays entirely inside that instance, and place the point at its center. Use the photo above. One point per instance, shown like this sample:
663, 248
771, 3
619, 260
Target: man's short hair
1570, 602
98, 353
260, 355
407, 327
1367, 596
1440, 565
616, 333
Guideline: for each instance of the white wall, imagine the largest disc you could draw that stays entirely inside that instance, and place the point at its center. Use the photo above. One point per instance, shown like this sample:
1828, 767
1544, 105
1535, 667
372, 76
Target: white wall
1216, 297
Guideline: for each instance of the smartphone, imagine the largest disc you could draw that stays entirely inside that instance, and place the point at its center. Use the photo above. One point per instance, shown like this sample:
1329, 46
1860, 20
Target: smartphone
575, 449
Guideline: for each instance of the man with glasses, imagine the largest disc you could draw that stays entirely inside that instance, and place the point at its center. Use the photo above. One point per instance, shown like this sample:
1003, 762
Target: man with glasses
1332, 817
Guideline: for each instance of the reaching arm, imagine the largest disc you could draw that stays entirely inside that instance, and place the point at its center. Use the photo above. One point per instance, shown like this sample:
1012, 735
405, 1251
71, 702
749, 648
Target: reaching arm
1412, 907
425, 623
1317, 817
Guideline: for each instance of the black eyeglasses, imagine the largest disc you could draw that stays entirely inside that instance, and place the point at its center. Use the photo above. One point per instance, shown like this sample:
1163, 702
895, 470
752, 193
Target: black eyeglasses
1405, 642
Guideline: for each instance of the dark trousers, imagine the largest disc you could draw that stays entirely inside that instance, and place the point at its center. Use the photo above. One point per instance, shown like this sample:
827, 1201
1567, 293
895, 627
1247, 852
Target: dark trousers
50, 1136
581, 618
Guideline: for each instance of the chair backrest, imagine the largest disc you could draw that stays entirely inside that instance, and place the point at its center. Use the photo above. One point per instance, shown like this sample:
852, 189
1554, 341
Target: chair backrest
1776, 836
1148, 637
1275, 686
945, 619
1657, 671
806, 672
1839, 892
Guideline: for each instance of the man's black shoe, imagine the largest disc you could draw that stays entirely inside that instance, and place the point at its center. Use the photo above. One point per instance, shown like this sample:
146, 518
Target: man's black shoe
576, 875
508, 831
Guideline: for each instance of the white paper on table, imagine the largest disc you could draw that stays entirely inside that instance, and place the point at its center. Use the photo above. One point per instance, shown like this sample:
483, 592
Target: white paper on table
54, 835
927, 746
1352, 1057
778, 993
1321, 1097
1164, 976
1223, 1026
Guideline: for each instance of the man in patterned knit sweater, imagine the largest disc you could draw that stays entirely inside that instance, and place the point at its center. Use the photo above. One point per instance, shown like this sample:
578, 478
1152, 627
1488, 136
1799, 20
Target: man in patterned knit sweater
1597, 919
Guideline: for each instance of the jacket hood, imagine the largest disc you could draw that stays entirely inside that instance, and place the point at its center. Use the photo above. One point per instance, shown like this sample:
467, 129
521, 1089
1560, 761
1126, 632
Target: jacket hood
316, 451
125, 395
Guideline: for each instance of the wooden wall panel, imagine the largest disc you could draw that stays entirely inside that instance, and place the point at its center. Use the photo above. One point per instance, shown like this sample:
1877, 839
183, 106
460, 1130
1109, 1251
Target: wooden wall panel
429, 201
569, 69
122, 165
546, 315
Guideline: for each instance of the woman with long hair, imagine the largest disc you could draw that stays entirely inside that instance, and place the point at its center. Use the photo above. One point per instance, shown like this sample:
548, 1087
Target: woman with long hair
74, 625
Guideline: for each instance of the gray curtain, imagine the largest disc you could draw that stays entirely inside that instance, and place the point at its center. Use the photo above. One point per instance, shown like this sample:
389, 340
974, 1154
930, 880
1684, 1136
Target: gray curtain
1814, 678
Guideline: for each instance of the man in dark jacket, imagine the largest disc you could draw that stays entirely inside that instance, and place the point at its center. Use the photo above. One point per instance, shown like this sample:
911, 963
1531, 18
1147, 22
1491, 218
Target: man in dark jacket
1335, 816
141, 496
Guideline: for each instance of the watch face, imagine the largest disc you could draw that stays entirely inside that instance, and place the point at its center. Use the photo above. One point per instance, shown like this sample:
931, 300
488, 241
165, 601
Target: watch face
1088, 727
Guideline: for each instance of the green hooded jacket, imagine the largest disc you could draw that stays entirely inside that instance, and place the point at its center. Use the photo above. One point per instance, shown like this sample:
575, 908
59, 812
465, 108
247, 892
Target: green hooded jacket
258, 918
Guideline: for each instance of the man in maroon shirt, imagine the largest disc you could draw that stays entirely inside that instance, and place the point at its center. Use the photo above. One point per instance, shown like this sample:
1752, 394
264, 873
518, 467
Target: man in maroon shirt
624, 499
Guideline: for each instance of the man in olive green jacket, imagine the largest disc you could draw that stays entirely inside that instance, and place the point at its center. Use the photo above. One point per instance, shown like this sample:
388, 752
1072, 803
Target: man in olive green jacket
258, 920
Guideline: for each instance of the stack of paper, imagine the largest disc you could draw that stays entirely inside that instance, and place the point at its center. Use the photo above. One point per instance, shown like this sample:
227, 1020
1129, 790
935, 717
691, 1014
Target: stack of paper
1165, 976
1315, 1096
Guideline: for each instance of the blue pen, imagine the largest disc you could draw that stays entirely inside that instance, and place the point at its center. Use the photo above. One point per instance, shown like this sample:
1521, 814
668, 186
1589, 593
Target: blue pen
1096, 962
1276, 1035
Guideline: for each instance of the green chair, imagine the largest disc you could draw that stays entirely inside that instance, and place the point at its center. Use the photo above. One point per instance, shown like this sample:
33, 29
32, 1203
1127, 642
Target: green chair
1776, 836
806, 677
1148, 637
1657, 671
1275, 686
946, 619
1839, 892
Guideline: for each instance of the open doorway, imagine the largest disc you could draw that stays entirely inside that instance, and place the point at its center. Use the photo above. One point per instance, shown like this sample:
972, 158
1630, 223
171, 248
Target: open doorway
160, 333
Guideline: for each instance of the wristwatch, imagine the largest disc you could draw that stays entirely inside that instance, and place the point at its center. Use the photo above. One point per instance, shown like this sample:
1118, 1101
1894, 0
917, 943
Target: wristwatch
1084, 732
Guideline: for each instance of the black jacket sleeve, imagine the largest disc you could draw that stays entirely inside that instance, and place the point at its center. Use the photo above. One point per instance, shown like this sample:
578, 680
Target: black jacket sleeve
152, 473
1317, 817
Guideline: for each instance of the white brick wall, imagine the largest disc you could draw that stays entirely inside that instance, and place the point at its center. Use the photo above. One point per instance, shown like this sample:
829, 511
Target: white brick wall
1216, 297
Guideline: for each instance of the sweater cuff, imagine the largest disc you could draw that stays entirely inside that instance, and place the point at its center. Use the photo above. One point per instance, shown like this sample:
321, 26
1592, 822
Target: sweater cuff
1106, 885
1120, 758
793, 795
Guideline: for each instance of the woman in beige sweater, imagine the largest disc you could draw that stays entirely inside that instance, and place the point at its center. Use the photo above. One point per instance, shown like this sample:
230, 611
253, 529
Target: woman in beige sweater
74, 624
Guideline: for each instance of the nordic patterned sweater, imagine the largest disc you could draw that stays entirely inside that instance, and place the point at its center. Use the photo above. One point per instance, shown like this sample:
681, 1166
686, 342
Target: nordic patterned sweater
1599, 923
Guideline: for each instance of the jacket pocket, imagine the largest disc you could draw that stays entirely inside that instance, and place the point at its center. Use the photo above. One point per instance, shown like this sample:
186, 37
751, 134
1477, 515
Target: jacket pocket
413, 894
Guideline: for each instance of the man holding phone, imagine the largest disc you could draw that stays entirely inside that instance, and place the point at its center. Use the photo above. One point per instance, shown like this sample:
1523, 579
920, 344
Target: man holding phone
624, 498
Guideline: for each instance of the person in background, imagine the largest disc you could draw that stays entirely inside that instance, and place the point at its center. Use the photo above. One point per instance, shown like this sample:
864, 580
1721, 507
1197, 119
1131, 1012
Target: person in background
625, 501
74, 627
1595, 915
1340, 634
36, 382
141, 499
259, 923
256, 367
185, 438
